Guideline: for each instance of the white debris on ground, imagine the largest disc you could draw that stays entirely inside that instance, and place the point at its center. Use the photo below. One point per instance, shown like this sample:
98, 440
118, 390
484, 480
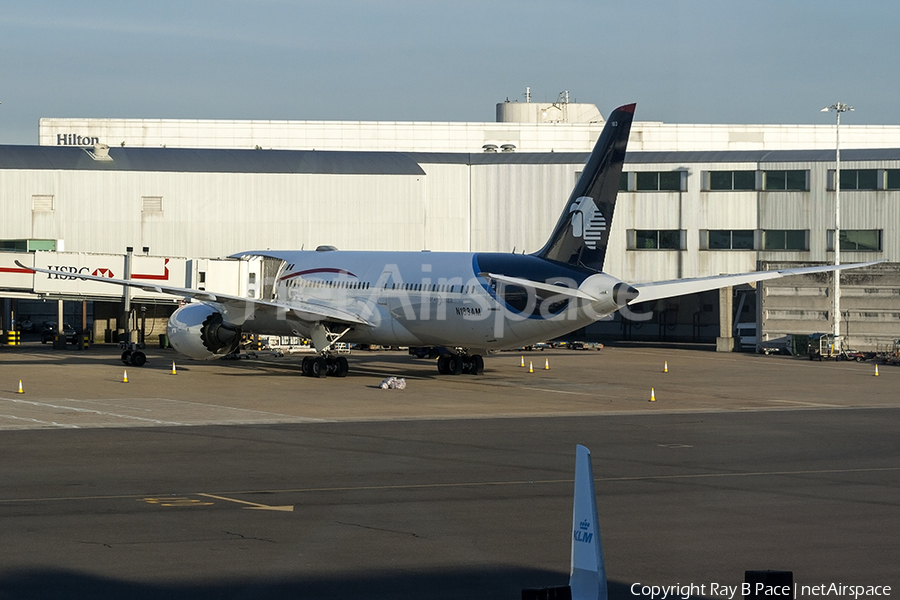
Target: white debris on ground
393, 383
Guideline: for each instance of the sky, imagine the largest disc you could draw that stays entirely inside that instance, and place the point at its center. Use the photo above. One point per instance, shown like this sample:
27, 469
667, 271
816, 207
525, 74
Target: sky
682, 61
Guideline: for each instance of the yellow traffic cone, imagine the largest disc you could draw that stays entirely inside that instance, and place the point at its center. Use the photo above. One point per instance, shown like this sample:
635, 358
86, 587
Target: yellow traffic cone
666, 367
530, 367
546, 364
522, 364
652, 395
876, 375
174, 372
125, 377
21, 391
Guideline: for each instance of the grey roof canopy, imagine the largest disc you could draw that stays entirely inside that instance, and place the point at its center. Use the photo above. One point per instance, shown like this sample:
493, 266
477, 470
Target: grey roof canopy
190, 160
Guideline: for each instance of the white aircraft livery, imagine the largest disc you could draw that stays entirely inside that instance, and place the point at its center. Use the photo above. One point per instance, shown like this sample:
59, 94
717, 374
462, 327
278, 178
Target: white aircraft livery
453, 306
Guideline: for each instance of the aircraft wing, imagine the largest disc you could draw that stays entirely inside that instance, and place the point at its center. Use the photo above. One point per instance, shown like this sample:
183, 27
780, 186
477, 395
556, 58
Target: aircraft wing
233, 306
657, 290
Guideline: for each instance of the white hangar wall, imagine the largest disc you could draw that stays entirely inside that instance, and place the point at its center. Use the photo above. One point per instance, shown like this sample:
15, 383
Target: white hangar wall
210, 215
399, 136
454, 202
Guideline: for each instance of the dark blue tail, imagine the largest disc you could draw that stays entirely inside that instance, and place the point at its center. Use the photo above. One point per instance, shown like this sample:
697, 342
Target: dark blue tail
582, 232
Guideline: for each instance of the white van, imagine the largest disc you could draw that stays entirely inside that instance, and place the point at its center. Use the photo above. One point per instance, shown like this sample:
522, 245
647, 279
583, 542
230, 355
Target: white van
746, 336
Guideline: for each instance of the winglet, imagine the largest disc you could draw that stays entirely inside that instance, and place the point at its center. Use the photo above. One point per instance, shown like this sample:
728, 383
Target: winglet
588, 575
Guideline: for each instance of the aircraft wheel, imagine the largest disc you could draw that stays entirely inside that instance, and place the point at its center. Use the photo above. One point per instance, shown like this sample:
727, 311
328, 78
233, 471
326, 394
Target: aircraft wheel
342, 366
455, 365
442, 364
477, 367
126, 357
138, 358
319, 368
306, 367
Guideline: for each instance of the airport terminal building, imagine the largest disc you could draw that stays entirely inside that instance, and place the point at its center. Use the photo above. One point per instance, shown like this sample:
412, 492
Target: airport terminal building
694, 200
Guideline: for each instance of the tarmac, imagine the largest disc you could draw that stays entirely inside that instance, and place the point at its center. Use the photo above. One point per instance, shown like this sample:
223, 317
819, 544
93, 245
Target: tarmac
242, 479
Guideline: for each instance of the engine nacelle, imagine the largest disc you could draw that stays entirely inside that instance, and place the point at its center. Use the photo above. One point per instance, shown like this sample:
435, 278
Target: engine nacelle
198, 331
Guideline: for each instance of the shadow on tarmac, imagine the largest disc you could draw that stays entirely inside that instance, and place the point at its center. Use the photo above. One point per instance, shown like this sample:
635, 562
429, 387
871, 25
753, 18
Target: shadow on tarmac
501, 583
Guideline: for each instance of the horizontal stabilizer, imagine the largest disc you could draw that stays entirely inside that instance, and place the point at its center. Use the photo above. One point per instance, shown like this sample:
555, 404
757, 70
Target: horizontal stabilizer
538, 286
658, 290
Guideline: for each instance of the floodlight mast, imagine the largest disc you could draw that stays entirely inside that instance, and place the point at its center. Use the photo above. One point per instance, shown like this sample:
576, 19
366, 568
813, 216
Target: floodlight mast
838, 108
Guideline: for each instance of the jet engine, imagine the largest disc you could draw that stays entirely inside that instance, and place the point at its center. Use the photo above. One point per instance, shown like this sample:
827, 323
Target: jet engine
199, 331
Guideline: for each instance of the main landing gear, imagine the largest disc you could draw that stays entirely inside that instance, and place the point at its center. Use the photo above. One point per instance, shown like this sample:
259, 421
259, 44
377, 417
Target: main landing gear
455, 364
323, 366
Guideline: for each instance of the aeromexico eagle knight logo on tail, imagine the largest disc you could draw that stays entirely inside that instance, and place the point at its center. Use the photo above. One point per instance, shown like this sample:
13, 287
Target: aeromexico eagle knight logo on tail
588, 223
581, 235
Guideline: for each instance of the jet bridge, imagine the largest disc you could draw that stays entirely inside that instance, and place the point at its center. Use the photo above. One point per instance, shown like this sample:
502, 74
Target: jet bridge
26, 292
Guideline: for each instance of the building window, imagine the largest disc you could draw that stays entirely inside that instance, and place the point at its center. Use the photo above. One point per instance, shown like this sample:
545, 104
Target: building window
660, 181
727, 239
855, 179
732, 181
892, 179
42, 203
151, 204
857, 240
623, 182
775, 181
655, 239
786, 239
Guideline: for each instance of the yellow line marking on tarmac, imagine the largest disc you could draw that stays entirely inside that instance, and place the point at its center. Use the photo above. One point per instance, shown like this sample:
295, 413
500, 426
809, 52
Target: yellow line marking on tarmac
252, 505
178, 501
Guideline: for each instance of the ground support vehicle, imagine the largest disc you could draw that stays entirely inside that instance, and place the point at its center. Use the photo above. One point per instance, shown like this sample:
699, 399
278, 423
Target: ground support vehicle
889, 354
824, 346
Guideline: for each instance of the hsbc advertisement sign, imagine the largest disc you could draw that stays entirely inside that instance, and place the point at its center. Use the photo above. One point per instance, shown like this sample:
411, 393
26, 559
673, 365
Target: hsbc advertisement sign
152, 269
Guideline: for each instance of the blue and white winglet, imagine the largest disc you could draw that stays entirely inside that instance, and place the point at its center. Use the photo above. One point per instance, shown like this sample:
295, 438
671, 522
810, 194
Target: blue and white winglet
587, 579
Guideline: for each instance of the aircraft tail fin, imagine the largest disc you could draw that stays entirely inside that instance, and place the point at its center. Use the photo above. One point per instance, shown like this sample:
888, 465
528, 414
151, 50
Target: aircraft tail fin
582, 232
588, 575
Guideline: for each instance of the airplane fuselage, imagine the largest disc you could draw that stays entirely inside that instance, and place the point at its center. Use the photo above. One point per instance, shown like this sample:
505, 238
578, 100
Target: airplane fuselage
430, 299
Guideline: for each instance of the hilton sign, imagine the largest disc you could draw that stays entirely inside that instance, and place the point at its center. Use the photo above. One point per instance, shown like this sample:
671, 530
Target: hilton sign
72, 139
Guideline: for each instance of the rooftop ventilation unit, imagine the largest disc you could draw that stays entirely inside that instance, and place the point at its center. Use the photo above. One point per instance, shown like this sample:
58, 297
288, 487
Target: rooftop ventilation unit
99, 152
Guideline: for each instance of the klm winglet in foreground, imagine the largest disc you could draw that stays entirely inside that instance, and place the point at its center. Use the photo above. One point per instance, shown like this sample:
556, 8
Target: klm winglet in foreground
451, 305
587, 575
587, 578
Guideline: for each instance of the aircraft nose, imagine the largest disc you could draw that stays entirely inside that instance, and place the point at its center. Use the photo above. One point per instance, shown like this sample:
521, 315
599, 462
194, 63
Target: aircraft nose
624, 293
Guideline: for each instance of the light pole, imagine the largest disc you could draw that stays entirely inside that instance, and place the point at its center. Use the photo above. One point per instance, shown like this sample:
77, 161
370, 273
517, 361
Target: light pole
838, 108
